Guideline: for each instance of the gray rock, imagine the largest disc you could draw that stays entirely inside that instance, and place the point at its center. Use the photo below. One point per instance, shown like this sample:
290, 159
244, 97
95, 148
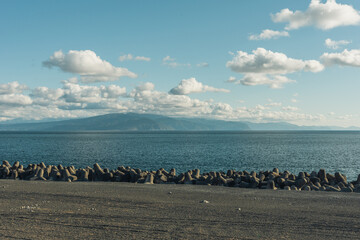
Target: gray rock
271, 185
149, 179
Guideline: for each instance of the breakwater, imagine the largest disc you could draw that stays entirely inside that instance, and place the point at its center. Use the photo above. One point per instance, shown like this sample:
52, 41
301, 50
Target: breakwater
274, 179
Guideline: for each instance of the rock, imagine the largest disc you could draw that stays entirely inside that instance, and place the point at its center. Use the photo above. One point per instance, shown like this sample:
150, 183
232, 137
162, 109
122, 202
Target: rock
261, 177
149, 179
289, 182
276, 171
16, 165
204, 201
300, 182
301, 175
287, 188
196, 174
14, 174
313, 174
315, 179
292, 177
222, 180
294, 188
188, 178
322, 174
331, 188
173, 172
281, 181
6, 164
42, 165
340, 178
271, 185
306, 188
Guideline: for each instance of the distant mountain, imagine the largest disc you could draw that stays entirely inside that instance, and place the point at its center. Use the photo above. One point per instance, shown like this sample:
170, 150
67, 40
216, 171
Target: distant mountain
151, 122
127, 122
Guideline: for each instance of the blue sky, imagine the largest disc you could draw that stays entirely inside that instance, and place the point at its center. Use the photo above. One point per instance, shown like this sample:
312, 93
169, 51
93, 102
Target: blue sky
62, 59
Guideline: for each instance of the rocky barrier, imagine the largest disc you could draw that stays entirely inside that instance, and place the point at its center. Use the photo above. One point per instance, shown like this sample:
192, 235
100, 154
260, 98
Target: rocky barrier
314, 181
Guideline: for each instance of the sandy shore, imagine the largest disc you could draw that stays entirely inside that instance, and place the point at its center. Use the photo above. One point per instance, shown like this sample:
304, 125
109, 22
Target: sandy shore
107, 210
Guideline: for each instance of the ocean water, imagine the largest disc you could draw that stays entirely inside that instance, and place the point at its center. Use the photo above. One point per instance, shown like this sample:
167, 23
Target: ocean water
209, 151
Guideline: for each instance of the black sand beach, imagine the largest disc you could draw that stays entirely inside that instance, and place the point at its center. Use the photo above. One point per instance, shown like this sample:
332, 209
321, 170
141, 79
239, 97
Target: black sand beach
112, 210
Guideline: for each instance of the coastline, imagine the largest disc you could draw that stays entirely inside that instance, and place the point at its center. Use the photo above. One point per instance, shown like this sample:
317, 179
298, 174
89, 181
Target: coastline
100, 210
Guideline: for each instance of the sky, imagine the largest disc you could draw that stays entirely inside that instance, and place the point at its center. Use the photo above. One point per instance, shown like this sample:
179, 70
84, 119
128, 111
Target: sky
258, 60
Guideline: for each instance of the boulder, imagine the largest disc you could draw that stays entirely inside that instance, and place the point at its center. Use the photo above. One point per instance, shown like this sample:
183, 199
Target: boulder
287, 188
271, 185
300, 182
340, 178
322, 174
149, 179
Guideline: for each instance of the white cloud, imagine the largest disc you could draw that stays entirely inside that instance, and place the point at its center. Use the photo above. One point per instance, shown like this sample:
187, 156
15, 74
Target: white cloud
324, 16
44, 92
12, 87
290, 108
76, 100
131, 57
203, 64
293, 100
264, 67
76, 93
269, 34
231, 79
88, 65
15, 99
268, 62
191, 85
142, 58
273, 81
168, 58
171, 62
335, 44
345, 58
274, 104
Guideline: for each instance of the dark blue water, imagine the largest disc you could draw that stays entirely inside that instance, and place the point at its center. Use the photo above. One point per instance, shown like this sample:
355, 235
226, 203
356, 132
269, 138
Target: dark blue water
208, 151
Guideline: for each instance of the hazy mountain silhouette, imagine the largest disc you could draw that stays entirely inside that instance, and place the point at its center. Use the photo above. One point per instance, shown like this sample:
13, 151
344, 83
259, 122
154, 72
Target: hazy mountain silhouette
151, 122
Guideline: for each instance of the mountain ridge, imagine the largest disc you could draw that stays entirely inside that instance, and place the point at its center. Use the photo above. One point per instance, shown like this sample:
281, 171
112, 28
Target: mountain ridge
153, 122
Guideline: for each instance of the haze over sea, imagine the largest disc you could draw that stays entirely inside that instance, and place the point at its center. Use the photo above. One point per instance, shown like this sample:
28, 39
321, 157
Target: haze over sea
209, 151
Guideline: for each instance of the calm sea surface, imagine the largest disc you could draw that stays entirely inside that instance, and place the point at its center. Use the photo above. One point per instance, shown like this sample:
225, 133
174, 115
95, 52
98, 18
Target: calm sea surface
208, 151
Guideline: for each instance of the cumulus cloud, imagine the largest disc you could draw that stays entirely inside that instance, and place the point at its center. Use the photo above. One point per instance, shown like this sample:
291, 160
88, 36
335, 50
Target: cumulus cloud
264, 67
324, 16
268, 62
191, 85
273, 81
12, 87
269, 34
91, 94
15, 99
88, 65
77, 100
131, 57
344, 58
335, 44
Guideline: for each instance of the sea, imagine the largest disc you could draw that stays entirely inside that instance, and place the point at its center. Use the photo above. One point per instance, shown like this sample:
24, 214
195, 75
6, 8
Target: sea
294, 151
